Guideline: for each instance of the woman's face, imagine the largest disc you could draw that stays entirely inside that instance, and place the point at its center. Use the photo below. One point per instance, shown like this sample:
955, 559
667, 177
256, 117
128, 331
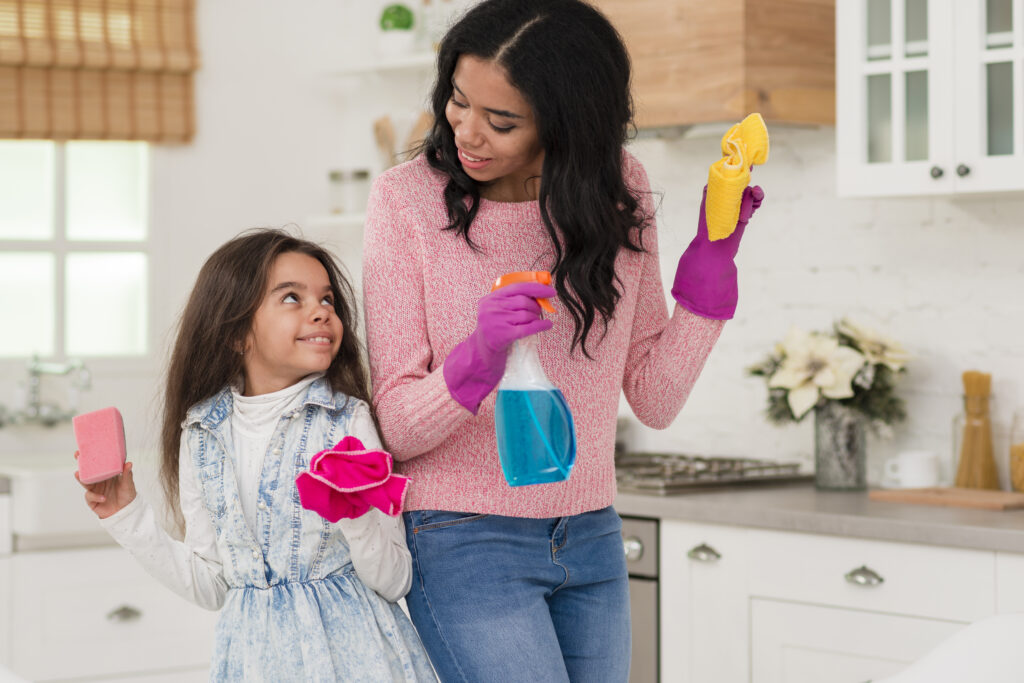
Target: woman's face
495, 131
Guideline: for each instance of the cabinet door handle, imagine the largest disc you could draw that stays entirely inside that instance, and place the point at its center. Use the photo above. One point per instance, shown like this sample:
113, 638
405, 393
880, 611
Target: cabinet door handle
633, 547
124, 614
936, 172
704, 553
864, 576
962, 170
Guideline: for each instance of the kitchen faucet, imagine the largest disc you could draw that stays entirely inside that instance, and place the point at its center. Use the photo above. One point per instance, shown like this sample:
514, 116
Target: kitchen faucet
35, 410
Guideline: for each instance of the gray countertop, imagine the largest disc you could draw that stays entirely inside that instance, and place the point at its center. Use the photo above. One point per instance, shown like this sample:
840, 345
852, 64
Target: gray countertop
800, 507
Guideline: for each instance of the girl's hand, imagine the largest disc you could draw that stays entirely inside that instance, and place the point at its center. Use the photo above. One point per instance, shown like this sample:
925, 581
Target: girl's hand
108, 496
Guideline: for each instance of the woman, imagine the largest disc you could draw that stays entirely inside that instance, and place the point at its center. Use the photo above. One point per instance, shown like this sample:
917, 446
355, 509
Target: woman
524, 169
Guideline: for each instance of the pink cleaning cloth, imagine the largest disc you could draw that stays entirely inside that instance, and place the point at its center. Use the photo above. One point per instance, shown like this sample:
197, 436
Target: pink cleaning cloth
347, 480
101, 451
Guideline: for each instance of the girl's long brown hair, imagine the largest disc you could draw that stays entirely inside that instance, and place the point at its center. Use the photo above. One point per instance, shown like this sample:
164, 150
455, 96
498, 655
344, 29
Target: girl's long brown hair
216, 321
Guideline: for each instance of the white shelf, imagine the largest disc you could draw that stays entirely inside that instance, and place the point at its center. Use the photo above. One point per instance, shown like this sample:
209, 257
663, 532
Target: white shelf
407, 62
336, 220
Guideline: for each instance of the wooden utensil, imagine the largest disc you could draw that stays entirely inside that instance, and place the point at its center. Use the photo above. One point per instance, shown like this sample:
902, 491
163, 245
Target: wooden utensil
952, 497
419, 130
384, 134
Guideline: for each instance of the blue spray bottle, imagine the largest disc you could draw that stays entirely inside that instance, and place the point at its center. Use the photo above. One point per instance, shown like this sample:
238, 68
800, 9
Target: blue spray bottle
536, 435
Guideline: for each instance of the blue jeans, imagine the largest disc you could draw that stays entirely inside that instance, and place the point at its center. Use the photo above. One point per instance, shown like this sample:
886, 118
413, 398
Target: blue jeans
505, 598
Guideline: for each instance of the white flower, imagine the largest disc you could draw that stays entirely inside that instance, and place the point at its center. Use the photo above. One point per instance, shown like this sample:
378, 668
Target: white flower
879, 349
815, 365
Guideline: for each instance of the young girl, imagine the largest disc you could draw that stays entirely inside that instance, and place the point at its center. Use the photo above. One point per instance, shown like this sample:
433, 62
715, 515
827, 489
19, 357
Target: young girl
267, 371
524, 169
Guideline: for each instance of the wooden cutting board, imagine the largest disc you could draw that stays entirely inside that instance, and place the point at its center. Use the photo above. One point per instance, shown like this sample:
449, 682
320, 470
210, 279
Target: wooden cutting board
955, 497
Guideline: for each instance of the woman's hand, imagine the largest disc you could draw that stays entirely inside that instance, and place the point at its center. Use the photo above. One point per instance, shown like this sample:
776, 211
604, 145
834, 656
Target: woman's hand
108, 496
705, 281
475, 366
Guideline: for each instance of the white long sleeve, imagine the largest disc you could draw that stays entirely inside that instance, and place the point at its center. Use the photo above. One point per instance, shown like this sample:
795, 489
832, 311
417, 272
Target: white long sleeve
375, 540
191, 568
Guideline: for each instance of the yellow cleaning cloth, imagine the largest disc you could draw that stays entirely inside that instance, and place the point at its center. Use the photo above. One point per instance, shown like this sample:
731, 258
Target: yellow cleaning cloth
745, 144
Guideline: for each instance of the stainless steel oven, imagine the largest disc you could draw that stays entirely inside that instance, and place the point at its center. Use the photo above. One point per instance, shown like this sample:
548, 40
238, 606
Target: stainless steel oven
640, 542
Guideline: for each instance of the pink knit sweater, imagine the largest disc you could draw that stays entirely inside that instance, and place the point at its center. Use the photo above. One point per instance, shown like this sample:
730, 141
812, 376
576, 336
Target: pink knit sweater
421, 287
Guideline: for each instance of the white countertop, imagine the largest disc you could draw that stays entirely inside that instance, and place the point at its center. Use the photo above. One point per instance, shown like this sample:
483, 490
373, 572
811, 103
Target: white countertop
800, 507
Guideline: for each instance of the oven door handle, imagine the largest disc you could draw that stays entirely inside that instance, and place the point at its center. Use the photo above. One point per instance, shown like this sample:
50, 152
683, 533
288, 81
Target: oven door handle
704, 553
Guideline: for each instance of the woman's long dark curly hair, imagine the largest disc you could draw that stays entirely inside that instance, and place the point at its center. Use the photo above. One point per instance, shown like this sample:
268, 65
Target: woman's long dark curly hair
570, 64
216, 321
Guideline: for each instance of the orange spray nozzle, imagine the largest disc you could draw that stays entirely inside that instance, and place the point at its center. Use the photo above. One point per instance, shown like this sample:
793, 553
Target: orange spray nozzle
540, 276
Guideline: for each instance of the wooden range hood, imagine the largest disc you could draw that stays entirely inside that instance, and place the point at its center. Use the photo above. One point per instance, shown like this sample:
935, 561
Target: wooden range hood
702, 61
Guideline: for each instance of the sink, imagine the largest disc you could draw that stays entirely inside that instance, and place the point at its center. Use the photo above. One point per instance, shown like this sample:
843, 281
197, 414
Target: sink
46, 500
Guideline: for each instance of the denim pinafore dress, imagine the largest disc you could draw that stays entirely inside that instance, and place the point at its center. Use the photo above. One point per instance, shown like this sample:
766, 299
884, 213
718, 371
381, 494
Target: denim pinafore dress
295, 609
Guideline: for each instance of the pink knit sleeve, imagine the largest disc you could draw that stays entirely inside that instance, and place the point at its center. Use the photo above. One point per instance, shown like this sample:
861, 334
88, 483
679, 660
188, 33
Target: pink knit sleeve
666, 355
414, 408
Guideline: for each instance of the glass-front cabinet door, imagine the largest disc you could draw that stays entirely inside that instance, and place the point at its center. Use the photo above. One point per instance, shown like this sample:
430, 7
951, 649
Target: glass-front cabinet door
894, 122
990, 95
930, 96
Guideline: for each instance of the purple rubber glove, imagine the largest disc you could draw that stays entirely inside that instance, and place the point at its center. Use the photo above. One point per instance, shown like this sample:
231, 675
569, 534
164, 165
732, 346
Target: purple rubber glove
475, 365
705, 281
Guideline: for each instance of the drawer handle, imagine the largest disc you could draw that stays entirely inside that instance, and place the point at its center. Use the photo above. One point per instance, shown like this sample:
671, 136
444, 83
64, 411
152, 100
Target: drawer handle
863, 576
633, 547
124, 614
704, 553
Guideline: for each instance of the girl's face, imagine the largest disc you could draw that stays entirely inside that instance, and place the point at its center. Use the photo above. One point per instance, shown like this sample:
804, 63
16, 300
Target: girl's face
495, 131
295, 331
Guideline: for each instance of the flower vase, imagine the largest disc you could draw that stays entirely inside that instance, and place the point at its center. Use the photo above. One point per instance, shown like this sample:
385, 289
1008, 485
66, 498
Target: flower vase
840, 453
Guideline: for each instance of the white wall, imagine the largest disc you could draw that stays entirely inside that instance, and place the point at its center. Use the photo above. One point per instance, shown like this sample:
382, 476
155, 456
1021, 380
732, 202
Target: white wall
938, 274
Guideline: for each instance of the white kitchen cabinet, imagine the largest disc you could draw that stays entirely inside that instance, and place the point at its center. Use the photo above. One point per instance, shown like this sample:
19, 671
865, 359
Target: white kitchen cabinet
798, 643
1009, 583
704, 605
929, 96
877, 576
5, 609
95, 613
745, 604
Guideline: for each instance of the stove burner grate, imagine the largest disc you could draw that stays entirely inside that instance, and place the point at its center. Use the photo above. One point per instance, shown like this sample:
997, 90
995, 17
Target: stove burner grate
666, 473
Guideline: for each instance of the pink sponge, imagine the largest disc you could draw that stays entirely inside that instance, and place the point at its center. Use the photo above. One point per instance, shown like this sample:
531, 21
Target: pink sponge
101, 451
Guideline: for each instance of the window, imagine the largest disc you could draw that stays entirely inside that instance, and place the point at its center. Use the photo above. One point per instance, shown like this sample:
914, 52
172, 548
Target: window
74, 240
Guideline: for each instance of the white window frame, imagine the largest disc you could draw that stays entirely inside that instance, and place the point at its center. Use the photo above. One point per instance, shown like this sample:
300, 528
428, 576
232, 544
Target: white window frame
60, 246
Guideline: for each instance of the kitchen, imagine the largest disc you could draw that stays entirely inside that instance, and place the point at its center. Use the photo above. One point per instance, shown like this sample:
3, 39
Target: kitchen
284, 94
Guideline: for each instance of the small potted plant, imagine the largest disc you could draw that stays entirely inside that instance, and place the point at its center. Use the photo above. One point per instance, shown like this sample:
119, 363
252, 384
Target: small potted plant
397, 24
848, 378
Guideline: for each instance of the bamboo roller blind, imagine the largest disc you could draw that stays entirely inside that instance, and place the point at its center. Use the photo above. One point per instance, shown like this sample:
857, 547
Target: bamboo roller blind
97, 69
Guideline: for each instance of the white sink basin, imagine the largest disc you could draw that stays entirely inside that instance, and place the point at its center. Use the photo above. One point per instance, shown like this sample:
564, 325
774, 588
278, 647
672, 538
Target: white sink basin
45, 498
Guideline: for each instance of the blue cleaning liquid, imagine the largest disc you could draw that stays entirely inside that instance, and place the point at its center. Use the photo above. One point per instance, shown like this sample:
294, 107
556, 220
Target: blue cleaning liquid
536, 436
